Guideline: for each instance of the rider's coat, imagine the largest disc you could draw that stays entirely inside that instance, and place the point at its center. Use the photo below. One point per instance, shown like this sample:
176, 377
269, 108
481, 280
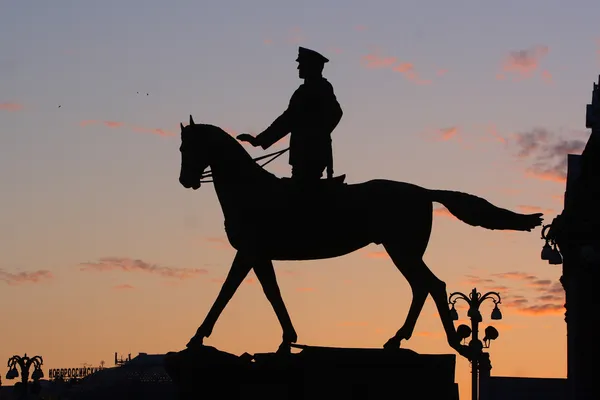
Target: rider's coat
311, 116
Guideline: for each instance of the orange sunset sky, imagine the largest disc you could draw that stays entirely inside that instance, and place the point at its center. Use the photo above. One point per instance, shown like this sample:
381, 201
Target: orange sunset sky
102, 250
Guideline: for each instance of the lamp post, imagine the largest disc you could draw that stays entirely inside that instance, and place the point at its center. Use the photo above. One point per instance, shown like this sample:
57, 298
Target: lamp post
25, 364
478, 358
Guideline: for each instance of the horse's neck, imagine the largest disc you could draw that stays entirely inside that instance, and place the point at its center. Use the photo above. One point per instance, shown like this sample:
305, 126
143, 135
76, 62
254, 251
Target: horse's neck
231, 163
235, 174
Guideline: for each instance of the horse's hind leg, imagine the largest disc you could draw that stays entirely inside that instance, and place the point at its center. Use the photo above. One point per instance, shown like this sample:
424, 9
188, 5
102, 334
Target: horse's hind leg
411, 272
422, 282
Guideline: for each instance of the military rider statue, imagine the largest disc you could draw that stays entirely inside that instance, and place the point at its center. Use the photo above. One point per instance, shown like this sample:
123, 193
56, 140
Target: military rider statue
311, 116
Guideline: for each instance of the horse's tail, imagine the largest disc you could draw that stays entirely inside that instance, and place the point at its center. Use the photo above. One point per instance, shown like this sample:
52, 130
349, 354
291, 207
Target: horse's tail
476, 211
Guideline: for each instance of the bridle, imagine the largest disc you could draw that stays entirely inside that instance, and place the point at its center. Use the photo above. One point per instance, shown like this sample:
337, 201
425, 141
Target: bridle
208, 174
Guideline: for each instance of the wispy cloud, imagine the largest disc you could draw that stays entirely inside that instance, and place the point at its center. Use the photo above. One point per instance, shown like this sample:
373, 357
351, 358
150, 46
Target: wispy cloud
547, 152
133, 128
524, 63
218, 242
18, 278
446, 134
522, 292
130, 265
296, 36
548, 298
11, 107
375, 60
124, 286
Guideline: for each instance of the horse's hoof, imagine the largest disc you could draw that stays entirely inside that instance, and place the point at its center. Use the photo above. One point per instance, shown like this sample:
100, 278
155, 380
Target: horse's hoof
195, 343
392, 344
284, 349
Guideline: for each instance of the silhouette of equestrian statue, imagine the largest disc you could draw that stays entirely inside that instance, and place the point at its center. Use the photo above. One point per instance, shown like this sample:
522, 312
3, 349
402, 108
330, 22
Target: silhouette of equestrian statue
268, 218
312, 115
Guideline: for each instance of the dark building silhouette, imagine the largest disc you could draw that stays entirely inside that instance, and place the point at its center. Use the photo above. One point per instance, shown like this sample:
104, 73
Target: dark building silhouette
576, 231
512, 388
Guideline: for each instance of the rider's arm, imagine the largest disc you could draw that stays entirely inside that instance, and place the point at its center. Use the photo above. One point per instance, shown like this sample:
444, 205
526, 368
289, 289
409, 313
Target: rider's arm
280, 127
331, 106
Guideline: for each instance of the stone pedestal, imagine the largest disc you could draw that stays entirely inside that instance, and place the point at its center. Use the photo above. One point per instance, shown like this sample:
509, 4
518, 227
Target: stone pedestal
315, 373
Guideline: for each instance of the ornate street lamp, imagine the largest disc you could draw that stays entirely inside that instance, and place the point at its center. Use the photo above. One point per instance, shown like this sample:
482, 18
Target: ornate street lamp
550, 252
478, 358
25, 364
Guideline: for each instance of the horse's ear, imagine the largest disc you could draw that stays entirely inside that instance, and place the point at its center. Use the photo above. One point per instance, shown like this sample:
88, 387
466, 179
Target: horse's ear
181, 125
191, 120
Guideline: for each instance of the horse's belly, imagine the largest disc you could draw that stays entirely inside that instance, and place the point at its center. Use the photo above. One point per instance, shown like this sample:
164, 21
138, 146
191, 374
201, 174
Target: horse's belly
316, 238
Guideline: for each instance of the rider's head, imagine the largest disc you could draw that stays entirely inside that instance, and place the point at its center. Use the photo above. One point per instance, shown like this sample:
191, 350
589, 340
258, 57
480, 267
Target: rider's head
310, 63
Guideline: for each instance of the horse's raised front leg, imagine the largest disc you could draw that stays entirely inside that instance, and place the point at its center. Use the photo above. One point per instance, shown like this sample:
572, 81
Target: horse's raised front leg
239, 270
266, 276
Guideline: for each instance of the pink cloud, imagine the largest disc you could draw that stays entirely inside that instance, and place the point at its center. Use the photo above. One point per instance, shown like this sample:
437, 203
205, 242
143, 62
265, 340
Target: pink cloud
360, 28
547, 152
543, 309
492, 131
525, 62
441, 72
130, 265
408, 70
124, 286
113, 124
376, 61
296, 36
134, 128
515, 275
547, 76
551, 176
548, 301
448, 133
18, 278
88, 122
218, 242
11, 107
154, 131
268, 41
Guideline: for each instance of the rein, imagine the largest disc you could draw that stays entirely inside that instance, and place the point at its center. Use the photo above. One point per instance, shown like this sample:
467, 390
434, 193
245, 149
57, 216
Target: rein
208, 174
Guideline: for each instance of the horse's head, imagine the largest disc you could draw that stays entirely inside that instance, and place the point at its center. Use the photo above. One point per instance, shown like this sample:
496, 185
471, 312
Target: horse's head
194, 155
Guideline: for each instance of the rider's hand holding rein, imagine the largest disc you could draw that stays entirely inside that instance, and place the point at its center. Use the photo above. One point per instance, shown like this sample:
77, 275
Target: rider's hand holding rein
246, 137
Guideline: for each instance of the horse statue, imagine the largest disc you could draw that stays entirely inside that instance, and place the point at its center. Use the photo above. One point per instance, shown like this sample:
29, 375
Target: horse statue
269, 218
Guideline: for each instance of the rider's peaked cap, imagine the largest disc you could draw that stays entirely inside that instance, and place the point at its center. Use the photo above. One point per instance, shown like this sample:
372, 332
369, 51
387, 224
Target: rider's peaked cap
309, 55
